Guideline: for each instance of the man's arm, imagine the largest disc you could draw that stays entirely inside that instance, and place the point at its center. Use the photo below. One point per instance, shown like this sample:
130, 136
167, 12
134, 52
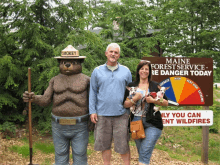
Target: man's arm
93, 98
129, 77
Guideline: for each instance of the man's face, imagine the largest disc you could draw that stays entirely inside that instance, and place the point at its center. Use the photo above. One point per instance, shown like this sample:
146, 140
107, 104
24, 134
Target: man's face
112, 55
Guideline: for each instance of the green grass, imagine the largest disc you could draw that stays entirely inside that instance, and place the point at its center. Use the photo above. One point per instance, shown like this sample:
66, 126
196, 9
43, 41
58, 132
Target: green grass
91, 138
217, 92
216, 112
23, 150
162, 147
24, 139
47, 162
185, 143
91, 142
46, 148
89, 152
132, 143
178, 157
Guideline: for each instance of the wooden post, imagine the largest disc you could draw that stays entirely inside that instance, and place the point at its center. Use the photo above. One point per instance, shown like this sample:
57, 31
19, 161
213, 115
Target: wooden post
29, 116
205, 141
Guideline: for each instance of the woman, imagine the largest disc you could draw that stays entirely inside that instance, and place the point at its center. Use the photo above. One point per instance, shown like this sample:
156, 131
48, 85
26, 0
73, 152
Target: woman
152, 122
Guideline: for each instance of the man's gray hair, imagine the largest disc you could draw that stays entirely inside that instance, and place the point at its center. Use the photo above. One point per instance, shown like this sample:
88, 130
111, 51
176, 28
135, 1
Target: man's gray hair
114, 45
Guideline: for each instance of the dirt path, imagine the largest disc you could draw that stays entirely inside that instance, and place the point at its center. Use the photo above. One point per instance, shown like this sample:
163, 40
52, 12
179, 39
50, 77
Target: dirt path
11, 158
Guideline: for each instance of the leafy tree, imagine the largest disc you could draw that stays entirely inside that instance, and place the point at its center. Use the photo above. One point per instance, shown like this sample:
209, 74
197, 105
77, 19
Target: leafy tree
190, 28
134, 19
32, 33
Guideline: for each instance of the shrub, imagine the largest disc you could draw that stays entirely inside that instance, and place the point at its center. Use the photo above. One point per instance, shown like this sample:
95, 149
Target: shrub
8, 129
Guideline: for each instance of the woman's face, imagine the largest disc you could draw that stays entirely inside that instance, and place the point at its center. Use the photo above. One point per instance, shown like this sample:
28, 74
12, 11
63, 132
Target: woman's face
144, 72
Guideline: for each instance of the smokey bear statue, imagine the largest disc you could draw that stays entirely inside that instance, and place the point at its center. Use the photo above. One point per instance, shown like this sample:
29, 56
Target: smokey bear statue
70, 114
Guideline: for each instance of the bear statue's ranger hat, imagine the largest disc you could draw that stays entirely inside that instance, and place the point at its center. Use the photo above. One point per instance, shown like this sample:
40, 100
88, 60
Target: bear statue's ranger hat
70, 53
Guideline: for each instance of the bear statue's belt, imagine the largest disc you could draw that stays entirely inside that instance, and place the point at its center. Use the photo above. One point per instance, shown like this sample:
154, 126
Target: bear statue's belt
70, 120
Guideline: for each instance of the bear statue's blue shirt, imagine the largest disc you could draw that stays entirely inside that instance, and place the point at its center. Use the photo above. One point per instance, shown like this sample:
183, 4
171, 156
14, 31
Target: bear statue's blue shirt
107, 90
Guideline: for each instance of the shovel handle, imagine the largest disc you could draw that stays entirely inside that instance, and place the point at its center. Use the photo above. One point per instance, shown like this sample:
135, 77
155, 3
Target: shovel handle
29, 115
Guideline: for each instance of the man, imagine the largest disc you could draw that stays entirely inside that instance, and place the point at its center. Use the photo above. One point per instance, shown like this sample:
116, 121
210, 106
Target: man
107, 87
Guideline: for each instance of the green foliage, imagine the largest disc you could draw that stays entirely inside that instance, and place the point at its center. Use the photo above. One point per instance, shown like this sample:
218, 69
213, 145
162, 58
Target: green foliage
32, 33
42, 118
131, 63
8, 129
8, 126
215, 128
190, 28
134, 20
216, 75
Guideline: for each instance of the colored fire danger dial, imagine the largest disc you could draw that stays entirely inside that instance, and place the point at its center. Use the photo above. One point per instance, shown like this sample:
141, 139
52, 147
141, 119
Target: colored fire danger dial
183, 91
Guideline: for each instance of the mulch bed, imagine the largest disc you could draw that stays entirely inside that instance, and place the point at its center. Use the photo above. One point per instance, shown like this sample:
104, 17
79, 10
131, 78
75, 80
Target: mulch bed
8, 157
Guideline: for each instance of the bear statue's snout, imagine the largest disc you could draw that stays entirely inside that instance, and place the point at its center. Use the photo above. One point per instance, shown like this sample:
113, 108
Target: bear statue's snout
70, 67
67, 65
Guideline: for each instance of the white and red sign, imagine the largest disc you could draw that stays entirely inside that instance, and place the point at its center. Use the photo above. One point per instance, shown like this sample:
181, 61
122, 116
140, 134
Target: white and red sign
187, 117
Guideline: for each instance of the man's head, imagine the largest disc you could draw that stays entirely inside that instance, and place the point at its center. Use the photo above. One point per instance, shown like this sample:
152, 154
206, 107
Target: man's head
112, 53
114, 45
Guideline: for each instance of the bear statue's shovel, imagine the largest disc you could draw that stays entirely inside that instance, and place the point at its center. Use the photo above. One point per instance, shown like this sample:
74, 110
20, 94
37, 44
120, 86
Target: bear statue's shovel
29, 117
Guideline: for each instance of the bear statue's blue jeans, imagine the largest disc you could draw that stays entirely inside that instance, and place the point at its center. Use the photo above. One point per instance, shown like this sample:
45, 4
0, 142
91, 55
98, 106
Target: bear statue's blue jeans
76, 135
145, 146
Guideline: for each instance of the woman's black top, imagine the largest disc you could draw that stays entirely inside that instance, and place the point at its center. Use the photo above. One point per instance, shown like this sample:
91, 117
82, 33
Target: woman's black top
155, 120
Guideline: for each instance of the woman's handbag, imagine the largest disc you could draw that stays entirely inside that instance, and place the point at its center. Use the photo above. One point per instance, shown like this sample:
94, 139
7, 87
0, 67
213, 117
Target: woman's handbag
137, 129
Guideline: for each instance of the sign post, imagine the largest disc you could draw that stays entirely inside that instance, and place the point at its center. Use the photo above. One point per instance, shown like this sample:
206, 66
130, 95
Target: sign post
205, 141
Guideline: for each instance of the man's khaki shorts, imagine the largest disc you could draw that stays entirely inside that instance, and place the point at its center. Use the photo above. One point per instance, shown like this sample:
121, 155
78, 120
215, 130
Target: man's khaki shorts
112, 127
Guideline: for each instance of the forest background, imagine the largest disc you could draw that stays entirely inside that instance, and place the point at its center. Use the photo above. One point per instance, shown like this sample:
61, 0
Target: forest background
33, 32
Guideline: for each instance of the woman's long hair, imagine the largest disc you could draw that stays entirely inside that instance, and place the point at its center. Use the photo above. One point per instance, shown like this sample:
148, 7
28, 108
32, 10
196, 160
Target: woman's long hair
140, 65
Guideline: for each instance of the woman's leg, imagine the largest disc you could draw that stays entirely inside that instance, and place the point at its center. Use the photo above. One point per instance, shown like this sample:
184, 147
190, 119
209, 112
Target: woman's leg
148, 143
137, 141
